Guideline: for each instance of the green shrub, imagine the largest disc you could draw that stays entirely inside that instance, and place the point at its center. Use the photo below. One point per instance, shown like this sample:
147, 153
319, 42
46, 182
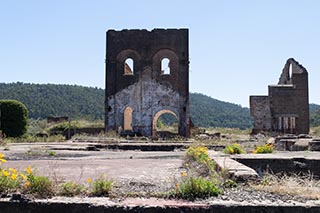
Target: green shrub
13, 118
233, 149
101, 187
267, 148
196, 187
71, 189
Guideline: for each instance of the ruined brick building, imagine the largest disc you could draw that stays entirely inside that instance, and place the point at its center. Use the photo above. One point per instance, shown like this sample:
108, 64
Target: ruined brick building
147, 75
286, 108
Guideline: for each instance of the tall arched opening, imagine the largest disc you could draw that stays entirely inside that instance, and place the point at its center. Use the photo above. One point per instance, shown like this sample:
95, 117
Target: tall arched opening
165, 124
127, 118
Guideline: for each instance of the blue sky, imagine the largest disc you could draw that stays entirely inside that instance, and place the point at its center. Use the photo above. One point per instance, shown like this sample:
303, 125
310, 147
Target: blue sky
236, 48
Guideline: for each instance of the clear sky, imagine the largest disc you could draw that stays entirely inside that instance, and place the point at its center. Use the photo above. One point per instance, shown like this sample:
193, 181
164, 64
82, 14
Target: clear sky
237, 48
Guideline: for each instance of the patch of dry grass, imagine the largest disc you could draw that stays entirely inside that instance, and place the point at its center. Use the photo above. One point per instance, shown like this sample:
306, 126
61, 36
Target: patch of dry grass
229, 131
315, 131
304, 186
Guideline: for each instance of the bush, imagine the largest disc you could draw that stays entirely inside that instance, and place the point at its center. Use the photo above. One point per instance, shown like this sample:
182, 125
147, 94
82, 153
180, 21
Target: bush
233, 149
196, 187
13, 118
267, 148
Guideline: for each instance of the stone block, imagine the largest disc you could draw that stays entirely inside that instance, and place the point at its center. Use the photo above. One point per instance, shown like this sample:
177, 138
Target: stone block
301, 145
314, 145
285, 144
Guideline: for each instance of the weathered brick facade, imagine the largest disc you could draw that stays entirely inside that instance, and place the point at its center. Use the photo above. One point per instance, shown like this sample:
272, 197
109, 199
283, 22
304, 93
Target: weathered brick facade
138, 87
286, 108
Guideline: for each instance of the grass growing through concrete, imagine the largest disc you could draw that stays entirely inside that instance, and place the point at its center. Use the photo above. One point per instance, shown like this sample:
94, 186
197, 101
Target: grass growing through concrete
200, 180
297, 185
101, 186
70, 189
196, 187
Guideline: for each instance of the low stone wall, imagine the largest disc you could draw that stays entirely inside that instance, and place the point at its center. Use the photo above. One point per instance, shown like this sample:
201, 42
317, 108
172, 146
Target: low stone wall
284, 165
88, 131
40, 207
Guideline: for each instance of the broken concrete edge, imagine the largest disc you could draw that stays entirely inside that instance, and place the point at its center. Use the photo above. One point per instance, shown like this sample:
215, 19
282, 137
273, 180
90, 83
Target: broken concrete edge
309, 155
237, 170
152, 205
277, 164
152, 146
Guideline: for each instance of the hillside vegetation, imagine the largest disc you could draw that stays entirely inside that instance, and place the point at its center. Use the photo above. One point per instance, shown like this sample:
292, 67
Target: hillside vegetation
208, 112
43, 100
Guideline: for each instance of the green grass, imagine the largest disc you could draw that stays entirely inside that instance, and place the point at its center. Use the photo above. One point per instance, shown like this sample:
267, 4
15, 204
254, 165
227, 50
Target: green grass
101, 187
71, 189
40, 186
52, 153
196, 187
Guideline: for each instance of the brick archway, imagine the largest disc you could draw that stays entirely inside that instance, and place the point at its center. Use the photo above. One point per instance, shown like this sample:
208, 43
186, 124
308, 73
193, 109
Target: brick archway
157, 116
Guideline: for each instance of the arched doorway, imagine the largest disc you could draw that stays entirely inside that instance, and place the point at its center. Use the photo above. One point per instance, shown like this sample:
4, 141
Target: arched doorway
127, 118
165, 122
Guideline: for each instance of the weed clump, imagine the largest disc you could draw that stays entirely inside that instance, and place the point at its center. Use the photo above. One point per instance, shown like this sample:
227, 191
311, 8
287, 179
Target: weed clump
101, 186
233, 149
196, 187
266, 148
200, 180
71, 189
12, 181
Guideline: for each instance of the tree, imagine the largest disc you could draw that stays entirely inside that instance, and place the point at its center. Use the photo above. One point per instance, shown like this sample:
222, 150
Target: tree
13, 118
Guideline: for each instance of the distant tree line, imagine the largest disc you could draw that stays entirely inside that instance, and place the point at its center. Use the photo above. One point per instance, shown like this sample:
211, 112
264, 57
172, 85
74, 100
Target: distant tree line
44, 100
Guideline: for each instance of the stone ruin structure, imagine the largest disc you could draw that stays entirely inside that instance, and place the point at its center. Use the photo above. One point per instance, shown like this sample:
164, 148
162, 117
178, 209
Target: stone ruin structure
147, 75
286, 108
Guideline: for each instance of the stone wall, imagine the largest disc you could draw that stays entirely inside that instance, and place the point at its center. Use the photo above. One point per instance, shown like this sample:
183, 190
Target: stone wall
288, 103
146, 91
260, 111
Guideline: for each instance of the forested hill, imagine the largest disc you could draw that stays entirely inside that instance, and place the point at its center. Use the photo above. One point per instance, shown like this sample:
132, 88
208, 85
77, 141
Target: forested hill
43, 100
209, 112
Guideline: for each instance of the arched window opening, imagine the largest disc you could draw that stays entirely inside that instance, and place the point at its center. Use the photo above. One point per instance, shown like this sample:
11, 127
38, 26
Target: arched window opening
127, 118
290, 71
165, 66
165, 124
129, 66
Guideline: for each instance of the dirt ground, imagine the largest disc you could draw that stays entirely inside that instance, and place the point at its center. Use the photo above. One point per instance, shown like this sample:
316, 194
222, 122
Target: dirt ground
133, 171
